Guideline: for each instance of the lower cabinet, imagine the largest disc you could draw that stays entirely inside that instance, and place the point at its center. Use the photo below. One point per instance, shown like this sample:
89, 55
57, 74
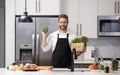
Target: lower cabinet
85, 65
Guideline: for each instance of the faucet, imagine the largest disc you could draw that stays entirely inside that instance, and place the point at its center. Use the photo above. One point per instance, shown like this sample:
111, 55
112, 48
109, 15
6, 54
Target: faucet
73, 56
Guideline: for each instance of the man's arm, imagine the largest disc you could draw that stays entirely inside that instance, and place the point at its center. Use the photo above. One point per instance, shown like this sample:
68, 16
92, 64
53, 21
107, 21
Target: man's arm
44, 42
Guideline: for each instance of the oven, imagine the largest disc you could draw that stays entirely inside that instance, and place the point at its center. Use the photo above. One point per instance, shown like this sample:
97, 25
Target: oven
108, 26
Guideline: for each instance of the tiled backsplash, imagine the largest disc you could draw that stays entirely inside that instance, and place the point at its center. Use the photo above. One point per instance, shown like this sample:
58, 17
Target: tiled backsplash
106, 46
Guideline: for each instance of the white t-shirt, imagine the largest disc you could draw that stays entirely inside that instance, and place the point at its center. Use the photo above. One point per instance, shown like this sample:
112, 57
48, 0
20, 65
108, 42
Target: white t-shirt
52, 39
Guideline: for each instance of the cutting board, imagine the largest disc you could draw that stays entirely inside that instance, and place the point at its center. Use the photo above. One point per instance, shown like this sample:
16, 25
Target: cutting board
45, 67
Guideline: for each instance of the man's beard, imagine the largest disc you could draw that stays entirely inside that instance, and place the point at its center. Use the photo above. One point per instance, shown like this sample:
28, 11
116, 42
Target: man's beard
63, 27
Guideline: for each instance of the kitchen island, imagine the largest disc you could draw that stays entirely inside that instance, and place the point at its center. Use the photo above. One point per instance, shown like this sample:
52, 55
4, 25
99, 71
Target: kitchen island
4, 71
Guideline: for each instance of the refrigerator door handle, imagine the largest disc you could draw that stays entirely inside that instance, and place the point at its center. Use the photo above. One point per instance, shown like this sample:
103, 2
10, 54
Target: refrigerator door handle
33, 43
37, 42
37, 48
33, 48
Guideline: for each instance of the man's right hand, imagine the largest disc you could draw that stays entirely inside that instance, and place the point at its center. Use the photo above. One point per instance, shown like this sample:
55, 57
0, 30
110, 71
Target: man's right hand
44, 43
44, 35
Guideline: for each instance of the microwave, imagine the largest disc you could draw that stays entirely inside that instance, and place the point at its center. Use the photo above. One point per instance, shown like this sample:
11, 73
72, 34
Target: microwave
108, 26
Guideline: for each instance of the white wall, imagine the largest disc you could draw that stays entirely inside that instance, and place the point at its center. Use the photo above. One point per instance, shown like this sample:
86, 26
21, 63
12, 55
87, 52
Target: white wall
9, 32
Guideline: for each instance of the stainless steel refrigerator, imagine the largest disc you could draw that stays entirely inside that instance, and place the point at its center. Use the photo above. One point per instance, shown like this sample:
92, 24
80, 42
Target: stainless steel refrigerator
28, 40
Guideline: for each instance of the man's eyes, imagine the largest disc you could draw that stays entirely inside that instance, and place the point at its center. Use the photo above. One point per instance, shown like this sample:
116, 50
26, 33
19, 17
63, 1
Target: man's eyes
62, 22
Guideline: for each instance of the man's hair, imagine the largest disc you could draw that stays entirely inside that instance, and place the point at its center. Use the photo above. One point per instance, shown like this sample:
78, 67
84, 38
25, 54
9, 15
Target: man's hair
63, 16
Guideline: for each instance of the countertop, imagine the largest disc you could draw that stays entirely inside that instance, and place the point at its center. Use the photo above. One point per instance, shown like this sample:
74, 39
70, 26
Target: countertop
4, 71
84, 62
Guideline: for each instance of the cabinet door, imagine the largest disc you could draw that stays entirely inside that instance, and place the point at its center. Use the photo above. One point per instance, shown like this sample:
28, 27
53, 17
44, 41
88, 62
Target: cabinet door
89, 18
71, 8
50, 7
32, 7
20, 7
107, 7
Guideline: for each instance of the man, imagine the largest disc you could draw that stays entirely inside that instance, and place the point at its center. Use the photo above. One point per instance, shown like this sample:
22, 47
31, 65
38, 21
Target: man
59, 41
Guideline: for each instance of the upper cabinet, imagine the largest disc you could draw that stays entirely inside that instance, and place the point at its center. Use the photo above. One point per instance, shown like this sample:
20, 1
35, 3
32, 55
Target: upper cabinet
108, 7
38, 7
82, 16
89, 18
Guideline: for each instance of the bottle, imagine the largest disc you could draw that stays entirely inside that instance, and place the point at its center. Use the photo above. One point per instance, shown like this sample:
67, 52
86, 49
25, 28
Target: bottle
106, 69
114, 63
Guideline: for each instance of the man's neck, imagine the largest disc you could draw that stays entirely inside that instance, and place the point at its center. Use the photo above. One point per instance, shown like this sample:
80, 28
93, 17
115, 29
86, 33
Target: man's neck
61, 31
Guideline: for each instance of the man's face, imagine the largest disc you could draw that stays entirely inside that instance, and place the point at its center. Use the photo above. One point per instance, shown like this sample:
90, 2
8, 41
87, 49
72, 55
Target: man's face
63, 23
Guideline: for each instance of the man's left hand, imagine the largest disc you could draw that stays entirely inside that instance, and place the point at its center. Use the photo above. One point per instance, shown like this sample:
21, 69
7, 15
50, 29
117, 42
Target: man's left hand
80, 52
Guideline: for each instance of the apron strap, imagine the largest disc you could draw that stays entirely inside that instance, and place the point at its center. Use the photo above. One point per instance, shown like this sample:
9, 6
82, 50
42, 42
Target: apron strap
58, 35
67, 35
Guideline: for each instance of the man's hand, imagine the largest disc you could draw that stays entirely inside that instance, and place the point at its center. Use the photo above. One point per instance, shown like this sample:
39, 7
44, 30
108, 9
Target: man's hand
44, 43
81, 52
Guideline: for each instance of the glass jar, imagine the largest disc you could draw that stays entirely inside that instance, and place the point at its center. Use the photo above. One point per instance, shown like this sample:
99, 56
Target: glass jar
106, 68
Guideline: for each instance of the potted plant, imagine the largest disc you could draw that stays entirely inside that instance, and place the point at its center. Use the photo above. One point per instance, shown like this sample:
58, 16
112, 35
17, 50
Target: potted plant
79, 44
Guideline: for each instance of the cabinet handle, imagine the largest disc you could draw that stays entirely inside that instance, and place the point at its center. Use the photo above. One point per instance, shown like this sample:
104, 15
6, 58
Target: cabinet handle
115, 8
39, 5
77, 30
36, 6
118, 7
80, 29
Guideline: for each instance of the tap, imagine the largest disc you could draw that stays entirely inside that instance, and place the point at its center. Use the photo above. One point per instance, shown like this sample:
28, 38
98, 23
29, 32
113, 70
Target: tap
73, 56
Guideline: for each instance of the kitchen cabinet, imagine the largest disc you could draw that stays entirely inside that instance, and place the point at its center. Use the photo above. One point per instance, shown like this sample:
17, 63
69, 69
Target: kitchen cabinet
82, 16
108, 7
89, 18
38, 7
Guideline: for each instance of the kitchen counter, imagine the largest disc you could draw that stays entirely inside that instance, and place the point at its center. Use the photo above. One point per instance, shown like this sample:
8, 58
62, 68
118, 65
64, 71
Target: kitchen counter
84, 62
55, 72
